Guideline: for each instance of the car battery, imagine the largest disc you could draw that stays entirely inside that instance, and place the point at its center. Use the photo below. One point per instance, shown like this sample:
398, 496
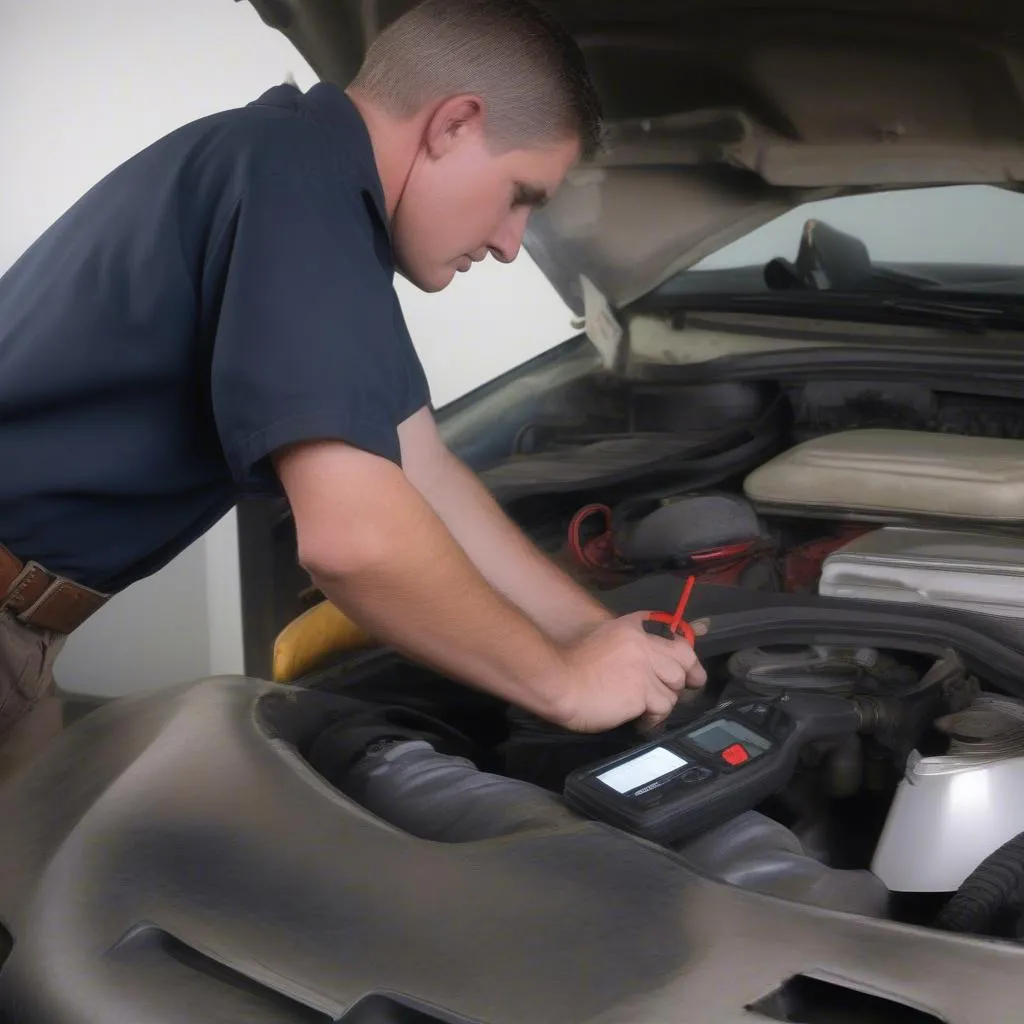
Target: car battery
908, 477
975, 572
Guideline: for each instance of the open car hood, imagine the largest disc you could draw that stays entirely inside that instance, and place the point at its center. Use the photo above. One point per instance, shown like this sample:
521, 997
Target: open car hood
723, 115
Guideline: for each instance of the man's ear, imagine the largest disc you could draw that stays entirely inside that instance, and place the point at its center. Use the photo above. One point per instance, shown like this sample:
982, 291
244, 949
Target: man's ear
452, 122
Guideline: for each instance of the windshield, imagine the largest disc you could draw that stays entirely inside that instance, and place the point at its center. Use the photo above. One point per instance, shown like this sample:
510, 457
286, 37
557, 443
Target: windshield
967, 238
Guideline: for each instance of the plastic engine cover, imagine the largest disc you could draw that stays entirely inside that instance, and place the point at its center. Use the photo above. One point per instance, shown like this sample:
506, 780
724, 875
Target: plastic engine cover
896, 475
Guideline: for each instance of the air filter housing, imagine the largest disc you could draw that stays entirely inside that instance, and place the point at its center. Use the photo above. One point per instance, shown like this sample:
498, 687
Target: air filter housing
896, 476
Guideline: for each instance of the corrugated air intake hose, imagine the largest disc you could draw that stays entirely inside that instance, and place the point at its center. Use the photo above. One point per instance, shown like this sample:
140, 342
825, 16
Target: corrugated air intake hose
992, 888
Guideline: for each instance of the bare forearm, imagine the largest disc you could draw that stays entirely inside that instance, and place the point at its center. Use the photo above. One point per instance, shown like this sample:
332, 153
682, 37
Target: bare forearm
508, 559
388, 561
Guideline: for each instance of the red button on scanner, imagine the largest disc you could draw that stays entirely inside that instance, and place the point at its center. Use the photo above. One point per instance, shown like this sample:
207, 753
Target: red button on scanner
736, 754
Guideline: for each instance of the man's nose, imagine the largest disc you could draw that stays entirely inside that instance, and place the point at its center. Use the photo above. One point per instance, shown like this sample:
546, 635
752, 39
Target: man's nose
508, 240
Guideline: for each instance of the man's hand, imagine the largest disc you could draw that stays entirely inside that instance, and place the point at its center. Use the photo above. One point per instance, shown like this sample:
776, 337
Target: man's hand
619, 673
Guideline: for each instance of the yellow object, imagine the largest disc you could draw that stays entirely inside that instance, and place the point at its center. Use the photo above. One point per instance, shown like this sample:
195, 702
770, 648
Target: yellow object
311, 638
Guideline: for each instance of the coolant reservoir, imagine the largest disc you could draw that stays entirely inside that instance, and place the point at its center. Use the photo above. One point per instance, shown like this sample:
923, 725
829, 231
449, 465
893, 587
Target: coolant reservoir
950, 812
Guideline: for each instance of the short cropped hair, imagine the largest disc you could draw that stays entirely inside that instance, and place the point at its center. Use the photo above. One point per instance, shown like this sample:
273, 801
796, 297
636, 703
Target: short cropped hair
525, 66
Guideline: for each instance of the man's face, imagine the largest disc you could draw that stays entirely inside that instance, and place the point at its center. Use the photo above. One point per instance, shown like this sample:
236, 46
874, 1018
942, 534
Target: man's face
462, 200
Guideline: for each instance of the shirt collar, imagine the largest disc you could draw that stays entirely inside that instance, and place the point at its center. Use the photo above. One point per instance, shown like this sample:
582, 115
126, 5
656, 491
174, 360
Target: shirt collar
330, 107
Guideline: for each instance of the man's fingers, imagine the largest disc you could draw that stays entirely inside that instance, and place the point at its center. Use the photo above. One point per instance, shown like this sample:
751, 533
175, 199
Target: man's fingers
649, 722
668, 670
678, 652
687, 657
661, 702
697, 675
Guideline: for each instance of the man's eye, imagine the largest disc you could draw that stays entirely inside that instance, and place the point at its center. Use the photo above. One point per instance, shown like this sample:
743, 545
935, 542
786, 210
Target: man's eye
526, 195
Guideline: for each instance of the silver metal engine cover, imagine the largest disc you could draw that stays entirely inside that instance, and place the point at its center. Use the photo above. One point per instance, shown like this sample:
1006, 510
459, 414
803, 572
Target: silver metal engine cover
976, 572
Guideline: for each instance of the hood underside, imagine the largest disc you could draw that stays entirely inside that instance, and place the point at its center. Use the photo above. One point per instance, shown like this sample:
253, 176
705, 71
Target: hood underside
722, 116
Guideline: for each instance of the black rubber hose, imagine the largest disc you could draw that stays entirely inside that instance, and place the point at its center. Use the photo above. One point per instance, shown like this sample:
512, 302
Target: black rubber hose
991, 887
447, 799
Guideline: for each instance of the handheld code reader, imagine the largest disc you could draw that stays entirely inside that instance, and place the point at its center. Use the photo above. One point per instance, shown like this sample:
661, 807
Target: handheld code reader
699, 776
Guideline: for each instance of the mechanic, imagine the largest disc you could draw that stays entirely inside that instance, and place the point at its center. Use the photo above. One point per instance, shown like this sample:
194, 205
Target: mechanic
217, 318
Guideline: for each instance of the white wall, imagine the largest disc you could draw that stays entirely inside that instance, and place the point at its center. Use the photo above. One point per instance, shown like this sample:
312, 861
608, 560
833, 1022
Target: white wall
485, 322
84, 84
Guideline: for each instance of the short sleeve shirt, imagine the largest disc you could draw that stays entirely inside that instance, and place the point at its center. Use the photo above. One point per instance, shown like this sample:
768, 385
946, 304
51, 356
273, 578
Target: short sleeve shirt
226, 292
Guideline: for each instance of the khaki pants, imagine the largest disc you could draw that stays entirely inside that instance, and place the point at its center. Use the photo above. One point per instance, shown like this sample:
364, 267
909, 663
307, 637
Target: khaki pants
30, 713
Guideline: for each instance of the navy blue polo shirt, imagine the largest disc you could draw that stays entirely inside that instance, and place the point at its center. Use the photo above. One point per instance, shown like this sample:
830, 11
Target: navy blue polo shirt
227, 291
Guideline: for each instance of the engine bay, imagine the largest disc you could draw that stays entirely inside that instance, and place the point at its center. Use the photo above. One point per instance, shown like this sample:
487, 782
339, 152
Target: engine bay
851, 829
759, 484
759, 490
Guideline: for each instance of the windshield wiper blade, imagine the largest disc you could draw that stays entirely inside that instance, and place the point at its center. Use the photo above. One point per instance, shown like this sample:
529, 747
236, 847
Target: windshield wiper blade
944, 313
960, 313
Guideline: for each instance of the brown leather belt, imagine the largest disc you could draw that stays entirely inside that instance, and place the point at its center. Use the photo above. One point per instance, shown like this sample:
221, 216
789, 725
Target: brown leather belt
40, 599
